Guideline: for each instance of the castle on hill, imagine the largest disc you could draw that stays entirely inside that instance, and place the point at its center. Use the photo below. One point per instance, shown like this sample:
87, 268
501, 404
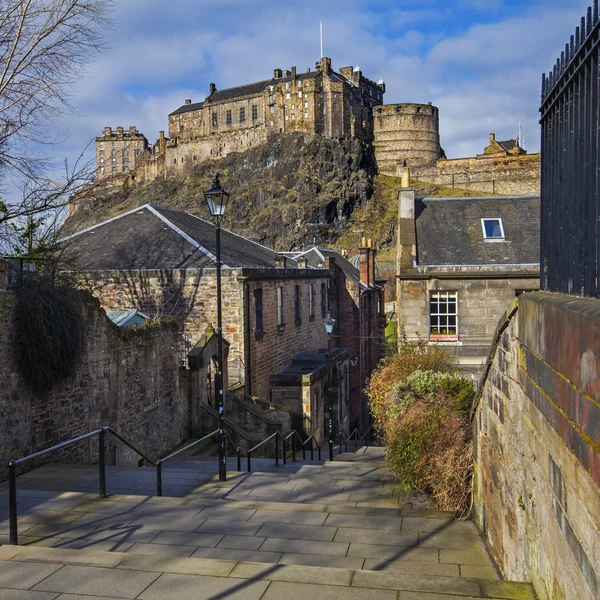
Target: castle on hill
322, 102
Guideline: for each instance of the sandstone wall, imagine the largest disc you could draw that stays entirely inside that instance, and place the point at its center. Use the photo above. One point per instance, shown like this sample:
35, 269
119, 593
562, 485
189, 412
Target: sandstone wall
126, 378
537, 434
405, 132
508, 176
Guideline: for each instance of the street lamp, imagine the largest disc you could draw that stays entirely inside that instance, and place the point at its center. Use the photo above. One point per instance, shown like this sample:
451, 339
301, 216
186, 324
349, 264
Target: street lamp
217, 198
329, 322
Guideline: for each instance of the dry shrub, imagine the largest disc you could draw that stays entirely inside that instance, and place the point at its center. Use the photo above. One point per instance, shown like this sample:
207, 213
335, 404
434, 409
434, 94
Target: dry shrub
421, 407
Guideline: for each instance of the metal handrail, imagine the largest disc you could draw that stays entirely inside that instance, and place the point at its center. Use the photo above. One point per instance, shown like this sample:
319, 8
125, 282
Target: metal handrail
12, 471
357, 436
277, 435
160, 461
238, 451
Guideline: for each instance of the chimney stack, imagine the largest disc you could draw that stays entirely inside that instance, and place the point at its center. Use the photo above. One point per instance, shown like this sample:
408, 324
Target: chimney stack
286, 73
293, 72
405, 177
302, 262
364, 262
492, 138
277, 73
107, 131
280, 261
213, 89
188, 101
371, 263
162, 144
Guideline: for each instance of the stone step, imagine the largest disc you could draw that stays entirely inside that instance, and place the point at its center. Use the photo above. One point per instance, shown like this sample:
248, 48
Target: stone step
48, 571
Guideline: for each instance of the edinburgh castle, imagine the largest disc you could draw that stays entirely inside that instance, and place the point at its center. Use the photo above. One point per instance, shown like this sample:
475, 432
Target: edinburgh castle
320, 102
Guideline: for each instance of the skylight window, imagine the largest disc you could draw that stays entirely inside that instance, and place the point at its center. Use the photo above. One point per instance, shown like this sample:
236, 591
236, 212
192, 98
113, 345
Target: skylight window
492, 229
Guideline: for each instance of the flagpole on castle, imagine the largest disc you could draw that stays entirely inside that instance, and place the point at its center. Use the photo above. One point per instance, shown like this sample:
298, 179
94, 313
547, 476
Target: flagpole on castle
321, 30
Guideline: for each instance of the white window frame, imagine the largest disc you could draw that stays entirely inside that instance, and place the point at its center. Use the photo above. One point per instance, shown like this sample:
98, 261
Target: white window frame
434, 318
485, 237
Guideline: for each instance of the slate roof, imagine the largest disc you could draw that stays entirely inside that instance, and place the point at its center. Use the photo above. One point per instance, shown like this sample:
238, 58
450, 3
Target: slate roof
155, 237
509, 145
240, 91
449, 231
315, 258
188, 107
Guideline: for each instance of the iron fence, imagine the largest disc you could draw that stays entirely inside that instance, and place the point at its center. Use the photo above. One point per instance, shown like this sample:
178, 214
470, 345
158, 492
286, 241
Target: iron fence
569, 249
14, 270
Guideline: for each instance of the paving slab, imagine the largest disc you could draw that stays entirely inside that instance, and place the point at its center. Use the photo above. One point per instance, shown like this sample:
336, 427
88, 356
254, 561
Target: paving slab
299, 532
190, 587
183, 566
304, 547
22, 575
447, 541
478, 572
71, 557
377, 536
178, 538
96, 581
320, 560
301, 591
224, 527
465, 557
241, 542
373, 522
27, 595
237, 554
287, 516
161, 550
293, 573
413, 568
393, 552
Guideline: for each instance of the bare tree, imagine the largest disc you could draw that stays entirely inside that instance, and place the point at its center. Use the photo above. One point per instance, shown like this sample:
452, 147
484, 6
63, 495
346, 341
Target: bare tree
44, 48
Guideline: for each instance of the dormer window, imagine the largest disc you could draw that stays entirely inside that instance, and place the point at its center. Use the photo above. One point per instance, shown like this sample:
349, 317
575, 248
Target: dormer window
492, 229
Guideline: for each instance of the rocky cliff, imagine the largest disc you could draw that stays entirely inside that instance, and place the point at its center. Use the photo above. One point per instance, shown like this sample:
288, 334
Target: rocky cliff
290, 193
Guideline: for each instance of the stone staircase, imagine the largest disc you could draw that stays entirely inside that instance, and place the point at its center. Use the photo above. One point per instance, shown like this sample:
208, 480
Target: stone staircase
318, 530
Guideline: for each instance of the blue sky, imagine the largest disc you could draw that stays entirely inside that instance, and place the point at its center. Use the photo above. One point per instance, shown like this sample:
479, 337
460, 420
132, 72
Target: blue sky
479, 61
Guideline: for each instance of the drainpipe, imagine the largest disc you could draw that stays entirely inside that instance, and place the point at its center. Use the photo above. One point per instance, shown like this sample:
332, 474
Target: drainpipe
247, 341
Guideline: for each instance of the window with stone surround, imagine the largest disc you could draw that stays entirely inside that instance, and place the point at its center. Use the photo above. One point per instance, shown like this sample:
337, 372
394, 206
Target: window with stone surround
287, 96
228, 117
297, 306
215, 121
242, 115
443, 315
280, 322
254, 112
258, 310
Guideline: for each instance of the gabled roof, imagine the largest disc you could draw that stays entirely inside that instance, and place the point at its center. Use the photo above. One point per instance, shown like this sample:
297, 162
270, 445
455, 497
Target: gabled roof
188, 107
250, 89
315, 258
449, 231
155, 237
508, 145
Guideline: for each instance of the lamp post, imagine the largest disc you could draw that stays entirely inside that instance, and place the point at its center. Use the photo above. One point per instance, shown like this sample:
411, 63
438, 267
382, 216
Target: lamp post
217, 198
329, 322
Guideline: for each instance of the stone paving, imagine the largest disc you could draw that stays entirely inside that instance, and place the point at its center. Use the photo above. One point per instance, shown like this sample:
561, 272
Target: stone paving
295, 530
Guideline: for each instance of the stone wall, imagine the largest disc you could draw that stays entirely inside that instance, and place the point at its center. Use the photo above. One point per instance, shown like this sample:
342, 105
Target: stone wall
126, 378
537, 464
507, 176
481, 302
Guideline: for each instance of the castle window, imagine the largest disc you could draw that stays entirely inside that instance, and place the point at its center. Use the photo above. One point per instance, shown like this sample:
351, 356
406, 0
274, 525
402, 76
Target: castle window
306, 105
299, 82
311, 300
293, 117
271, 88
101, 152
287, 85
114, 169
242, 115
214, 119
293, 106
287, 96
286, 118
101, 144
271, 123
113, 144
270, 98
254, 112
272, 109
125, 152
306, 115
299, 94
351, 96
101, 169
125, 168
228, 117
101, 160
492, 229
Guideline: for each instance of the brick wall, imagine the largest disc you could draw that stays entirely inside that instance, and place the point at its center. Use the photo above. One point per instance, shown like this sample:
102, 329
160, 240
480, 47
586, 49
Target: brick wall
537, 475
126, 378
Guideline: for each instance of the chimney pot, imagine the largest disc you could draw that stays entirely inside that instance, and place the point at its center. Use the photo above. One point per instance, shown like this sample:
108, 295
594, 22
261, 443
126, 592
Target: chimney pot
280, 261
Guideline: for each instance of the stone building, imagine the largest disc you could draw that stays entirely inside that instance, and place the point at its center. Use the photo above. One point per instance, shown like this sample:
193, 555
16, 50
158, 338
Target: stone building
320, 102
119, 151
461, 262
162, 262
357, 289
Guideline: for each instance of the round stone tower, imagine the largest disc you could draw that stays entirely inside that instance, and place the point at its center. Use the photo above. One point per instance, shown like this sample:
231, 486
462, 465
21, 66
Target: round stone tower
406, 133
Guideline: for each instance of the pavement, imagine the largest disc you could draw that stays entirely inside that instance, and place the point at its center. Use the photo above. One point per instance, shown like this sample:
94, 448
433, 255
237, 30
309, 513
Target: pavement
305, 529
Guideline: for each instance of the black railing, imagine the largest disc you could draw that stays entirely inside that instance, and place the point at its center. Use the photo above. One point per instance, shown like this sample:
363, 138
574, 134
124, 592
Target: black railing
12, 471
277, 436
295, 438
355, 436
19, 267
570, 184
